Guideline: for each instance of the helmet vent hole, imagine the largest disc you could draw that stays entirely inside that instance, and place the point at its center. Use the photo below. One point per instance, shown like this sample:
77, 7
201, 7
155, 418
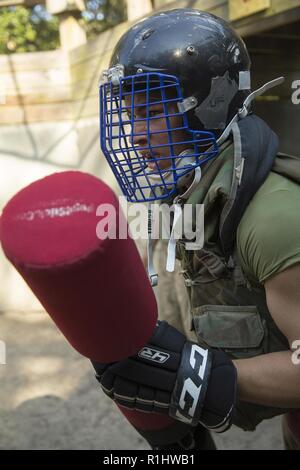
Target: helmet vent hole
147, 34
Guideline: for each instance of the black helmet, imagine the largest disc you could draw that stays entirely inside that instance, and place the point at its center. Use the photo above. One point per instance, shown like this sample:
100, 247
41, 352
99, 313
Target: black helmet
187, 58
209, 58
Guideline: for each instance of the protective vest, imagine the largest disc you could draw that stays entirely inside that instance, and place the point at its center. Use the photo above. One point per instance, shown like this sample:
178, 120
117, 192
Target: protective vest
228, 311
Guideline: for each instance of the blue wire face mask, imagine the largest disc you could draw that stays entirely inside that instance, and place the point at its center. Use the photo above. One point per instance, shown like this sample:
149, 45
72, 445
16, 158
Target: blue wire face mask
145, 135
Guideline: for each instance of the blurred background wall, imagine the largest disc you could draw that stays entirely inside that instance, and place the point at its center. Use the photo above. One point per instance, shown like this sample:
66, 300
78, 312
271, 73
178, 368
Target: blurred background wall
49, 99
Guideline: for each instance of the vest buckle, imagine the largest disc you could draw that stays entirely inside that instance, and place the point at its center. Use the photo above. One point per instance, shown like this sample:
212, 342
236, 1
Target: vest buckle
188, 282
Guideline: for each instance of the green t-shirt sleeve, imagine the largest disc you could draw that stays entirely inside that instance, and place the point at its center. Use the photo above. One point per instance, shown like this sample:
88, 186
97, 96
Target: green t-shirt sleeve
268, 236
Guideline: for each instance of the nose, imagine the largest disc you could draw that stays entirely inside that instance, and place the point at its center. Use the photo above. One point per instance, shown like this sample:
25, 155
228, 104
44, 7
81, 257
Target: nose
139, 135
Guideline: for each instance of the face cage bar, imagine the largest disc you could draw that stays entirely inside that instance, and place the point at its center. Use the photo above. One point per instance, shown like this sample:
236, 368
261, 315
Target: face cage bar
138, 182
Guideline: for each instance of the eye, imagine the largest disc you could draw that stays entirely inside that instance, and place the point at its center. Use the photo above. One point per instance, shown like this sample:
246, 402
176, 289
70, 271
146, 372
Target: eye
155, 112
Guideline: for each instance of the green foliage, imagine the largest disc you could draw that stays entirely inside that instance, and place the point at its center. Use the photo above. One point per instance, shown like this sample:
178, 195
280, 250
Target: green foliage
103, 14
33, 29
27, 30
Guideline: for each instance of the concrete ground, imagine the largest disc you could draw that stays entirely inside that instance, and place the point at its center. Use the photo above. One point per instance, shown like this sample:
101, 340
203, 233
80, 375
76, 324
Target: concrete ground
49, 398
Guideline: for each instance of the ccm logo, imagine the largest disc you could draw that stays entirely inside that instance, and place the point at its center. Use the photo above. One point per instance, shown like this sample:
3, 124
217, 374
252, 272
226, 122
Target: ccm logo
190, 393
154, 355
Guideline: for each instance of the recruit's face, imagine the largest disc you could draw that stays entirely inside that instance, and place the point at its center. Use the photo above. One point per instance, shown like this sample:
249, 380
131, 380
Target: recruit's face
158, 132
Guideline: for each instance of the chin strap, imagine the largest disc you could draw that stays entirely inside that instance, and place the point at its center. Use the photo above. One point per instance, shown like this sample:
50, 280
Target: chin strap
244, 111
171, 257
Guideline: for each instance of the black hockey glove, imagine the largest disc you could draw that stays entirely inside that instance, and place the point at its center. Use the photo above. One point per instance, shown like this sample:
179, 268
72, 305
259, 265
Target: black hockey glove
174, 376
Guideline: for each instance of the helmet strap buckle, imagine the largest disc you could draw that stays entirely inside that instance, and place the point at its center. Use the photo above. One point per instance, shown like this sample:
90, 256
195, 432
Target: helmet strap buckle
187, 104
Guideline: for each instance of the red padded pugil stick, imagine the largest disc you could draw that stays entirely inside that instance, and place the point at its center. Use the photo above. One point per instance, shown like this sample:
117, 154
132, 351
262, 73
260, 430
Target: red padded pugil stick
95, 290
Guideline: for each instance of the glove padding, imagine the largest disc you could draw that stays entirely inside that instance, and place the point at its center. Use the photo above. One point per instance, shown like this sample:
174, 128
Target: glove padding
174, 376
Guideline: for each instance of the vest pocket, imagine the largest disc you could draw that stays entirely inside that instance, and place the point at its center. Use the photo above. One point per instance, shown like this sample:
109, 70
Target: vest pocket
238, 330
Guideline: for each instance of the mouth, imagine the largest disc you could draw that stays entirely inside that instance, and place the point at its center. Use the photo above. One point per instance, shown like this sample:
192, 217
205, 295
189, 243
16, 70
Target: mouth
151, 160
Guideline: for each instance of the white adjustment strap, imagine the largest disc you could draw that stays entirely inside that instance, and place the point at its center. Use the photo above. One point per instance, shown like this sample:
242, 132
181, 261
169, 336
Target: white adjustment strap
260, 91
172, 242
153, 276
